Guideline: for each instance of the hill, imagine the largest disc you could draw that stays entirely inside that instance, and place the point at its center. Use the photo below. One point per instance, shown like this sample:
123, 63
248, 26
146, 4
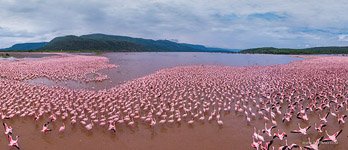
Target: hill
26, 46
102, 42
313, 50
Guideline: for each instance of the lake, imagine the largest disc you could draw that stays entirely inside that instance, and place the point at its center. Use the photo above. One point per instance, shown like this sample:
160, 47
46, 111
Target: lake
138, 64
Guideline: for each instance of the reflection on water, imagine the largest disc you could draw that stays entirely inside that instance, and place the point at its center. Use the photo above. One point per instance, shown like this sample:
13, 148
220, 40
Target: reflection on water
8, 58
138, 64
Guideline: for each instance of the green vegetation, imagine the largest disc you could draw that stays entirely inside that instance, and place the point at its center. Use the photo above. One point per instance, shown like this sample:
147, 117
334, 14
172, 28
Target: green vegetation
100, 43
112, 43
314, 50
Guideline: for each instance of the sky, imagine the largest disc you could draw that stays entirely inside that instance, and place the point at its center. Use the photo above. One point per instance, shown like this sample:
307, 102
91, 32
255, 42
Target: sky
235, 24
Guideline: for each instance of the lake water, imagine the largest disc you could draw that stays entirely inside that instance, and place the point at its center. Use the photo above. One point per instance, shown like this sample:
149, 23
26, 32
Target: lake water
235, 134
138, 64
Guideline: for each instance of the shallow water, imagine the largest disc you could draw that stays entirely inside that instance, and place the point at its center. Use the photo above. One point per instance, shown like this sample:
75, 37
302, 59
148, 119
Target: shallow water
138, 64
200, 136
235, 134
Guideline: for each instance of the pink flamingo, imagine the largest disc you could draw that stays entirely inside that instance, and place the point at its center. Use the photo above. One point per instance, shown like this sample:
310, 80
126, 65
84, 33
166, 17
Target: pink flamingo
12, 142
314, 145
301, 130
45, 128
62, 128
333, 137
8, 129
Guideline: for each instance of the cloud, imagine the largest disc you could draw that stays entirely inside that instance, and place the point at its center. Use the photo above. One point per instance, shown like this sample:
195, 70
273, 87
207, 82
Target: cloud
343, 38
269, 16
230, 24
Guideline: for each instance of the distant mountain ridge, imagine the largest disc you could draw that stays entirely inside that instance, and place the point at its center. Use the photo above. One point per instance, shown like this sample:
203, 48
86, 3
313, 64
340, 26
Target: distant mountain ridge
313, 50
114, 43
27, 46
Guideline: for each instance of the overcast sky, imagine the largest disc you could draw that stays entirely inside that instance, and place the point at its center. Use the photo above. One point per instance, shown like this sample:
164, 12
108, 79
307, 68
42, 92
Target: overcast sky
218, 23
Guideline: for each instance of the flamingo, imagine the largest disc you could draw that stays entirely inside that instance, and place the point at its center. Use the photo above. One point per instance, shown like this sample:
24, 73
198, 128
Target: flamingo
268, 131
162, 121
256, 144
320, 127
36, 118
112, 127
287, 117
89, 126
260, 137
62, 128
190, 122
288, 147
153, 122
324, 118
279, 135
267, 145
45, 128
12, 142
333, 137
53, 117
3, 116
334, 114
8, 129
301, 130
303, 116
255, 134
220, 123
341, 118
315, 145
131, 123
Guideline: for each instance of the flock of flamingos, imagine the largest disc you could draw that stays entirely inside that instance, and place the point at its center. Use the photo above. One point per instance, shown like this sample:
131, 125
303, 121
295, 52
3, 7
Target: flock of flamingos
307, 99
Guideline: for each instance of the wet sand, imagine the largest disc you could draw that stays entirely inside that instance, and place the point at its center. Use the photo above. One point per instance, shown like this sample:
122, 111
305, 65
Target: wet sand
200, 136
235, 134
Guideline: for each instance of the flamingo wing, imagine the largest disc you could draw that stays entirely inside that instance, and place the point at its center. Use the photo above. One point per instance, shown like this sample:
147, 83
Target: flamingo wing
295, 131
273, 127
327, 115
326, 140
323, 125
308, 128
283, 147
338, 133
319, 139
293, 146
268, 144
298, 116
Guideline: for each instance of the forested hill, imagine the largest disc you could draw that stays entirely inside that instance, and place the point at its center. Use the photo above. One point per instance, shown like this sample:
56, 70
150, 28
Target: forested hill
112, 43
26, 46
313, 50
102, 42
